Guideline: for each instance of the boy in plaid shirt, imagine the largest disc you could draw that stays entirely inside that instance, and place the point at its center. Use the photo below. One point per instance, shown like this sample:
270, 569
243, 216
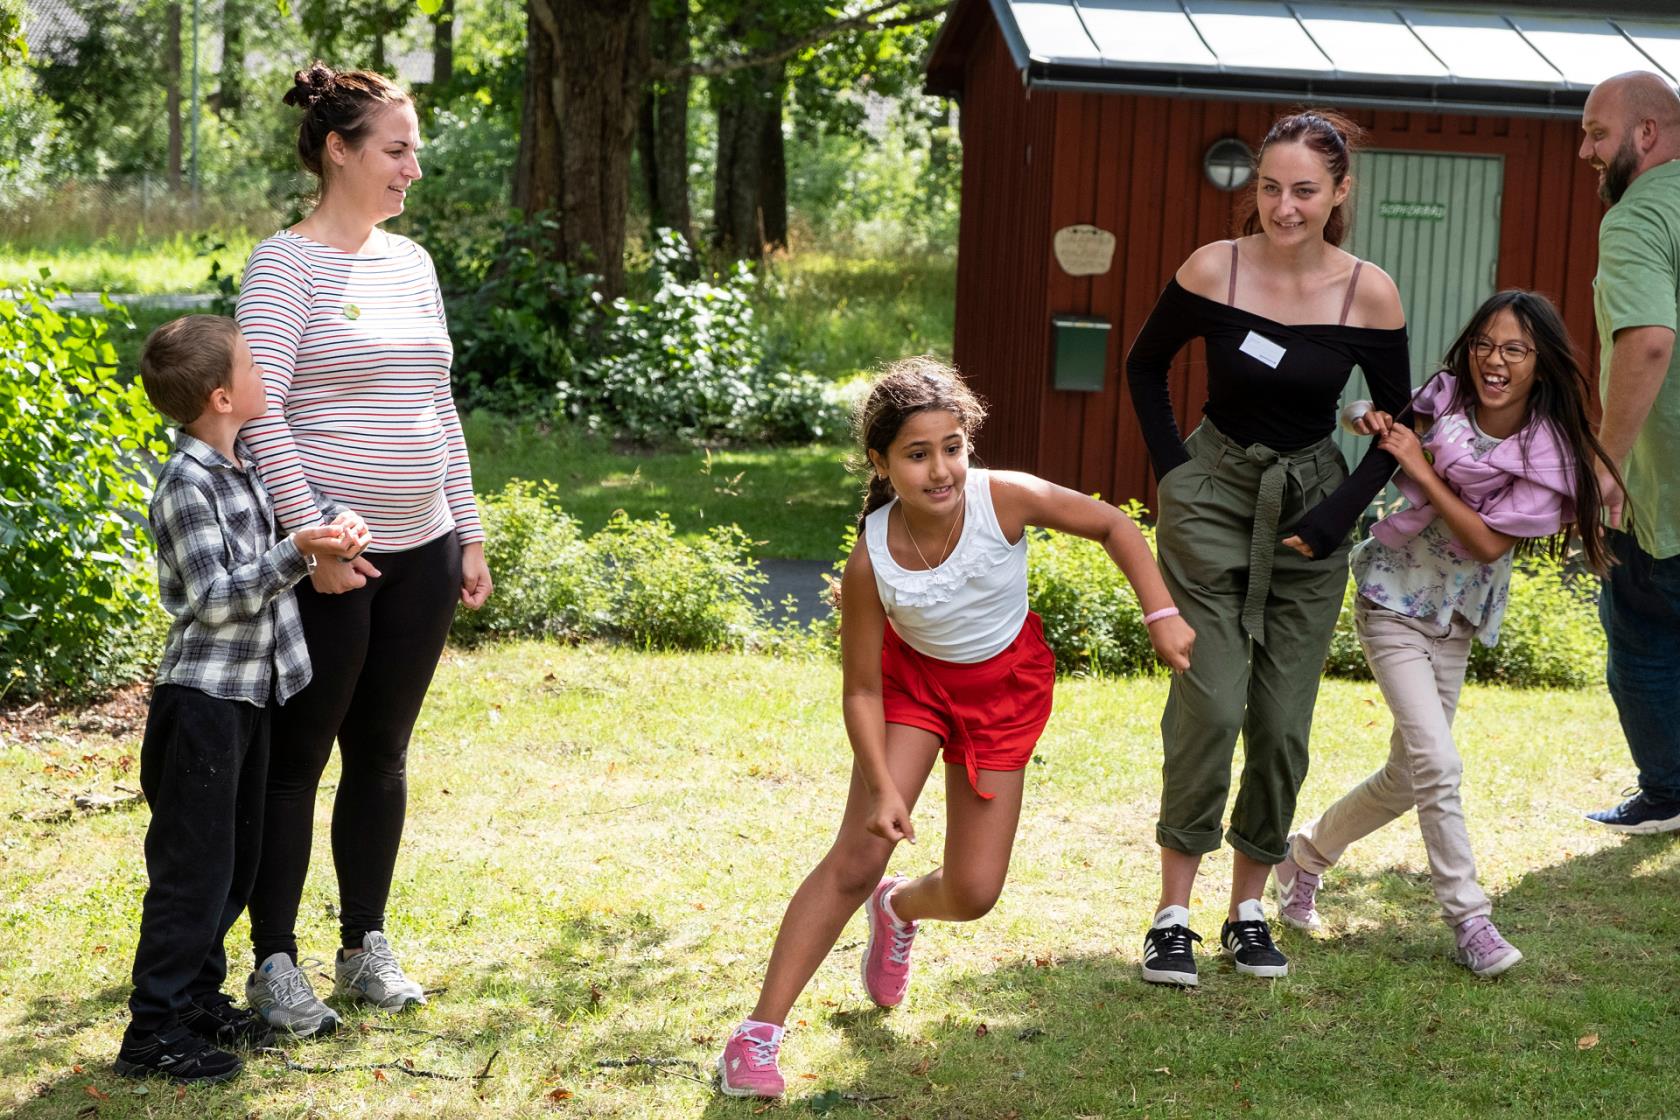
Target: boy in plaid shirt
235, 644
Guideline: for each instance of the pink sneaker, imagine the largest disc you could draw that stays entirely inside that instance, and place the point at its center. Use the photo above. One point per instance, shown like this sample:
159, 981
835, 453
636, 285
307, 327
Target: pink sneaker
1482, 950
1296, 891
886, 959
747, 1067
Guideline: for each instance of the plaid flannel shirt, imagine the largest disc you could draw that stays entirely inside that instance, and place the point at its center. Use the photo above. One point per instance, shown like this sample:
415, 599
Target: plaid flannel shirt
236, 633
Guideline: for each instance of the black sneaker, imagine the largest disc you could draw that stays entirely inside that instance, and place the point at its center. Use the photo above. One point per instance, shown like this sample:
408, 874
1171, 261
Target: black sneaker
218, 1021
1640, 813
1249, 945
177, 1054
1168, 957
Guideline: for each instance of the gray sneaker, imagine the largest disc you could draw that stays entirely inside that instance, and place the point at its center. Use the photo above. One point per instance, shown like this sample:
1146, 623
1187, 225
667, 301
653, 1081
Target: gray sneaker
280, 993
375, 976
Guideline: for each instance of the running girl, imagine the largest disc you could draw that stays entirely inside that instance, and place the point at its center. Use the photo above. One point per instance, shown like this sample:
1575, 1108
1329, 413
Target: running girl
940, 653
1506, 458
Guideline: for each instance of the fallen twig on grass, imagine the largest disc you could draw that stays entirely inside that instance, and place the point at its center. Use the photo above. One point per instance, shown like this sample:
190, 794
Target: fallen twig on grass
663, 1065
613, 809
400, 1066
86, 803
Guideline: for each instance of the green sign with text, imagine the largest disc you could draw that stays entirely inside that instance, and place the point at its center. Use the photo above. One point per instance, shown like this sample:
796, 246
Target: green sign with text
1413, 211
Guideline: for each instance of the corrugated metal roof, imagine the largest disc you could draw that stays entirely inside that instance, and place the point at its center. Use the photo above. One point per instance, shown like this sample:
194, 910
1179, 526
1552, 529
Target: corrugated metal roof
1418, 55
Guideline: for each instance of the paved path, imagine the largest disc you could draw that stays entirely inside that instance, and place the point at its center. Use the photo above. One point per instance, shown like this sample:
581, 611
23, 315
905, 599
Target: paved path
175, 301
805, 580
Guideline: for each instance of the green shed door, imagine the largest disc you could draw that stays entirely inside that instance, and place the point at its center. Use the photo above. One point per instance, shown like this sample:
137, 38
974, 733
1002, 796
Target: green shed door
1432, 223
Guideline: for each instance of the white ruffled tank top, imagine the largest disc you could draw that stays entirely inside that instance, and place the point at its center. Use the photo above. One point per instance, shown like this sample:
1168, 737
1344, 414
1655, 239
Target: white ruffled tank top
972, 606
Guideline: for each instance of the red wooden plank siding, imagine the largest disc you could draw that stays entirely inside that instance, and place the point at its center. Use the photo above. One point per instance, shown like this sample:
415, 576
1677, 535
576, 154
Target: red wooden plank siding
1034, 162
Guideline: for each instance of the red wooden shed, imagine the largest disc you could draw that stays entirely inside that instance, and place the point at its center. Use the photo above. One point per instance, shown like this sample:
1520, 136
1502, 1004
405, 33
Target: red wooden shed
1092, 123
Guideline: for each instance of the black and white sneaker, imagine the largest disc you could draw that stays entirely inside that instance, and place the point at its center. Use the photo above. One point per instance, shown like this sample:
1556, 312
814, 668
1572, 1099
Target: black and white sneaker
177, 1054
216, 1020
1248, 942
1640, 814
1168, 957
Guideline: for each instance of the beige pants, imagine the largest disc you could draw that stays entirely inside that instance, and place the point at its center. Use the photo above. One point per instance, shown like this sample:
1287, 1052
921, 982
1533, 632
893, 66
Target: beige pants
1419, 666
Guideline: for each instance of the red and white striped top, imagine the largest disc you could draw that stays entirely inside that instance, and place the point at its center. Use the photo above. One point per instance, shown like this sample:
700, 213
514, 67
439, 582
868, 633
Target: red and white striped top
355, 356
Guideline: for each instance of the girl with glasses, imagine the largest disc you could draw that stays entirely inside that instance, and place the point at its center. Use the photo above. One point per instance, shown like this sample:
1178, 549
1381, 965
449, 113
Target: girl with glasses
1501, 458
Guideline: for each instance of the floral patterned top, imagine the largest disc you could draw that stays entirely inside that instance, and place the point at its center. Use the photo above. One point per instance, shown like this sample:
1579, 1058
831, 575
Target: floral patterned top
1427, 575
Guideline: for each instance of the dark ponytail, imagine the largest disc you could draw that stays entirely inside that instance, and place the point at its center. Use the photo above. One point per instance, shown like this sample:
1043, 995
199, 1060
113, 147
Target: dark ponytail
905, 388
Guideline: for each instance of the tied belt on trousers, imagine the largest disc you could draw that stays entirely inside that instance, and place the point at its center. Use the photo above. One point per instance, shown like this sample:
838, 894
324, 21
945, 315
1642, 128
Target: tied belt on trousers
1276, 469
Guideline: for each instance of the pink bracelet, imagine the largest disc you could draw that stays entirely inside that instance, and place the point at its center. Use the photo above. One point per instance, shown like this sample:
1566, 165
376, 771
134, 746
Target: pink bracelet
1156, 616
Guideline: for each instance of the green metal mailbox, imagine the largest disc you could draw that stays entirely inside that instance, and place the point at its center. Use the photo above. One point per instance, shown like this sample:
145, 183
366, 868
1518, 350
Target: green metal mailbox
1081, 353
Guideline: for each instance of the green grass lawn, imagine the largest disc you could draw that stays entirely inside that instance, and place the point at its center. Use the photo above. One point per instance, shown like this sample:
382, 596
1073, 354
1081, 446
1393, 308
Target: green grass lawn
600, 845
143, 266
797, 501
842, 315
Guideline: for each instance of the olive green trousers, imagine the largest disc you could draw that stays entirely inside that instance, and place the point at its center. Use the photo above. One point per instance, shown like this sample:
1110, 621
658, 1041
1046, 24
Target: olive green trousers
1263, 616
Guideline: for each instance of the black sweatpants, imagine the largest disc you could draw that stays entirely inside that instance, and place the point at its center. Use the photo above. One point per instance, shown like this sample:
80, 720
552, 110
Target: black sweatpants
203, 762
373, 651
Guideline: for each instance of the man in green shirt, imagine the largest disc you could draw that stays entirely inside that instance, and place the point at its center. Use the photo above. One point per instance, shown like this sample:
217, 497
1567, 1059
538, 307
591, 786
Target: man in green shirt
1632, 137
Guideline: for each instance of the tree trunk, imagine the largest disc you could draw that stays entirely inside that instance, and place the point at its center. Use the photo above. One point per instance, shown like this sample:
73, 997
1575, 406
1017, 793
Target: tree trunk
586, 68
749, 200
443, 44
663, 132
172, 89
230, 97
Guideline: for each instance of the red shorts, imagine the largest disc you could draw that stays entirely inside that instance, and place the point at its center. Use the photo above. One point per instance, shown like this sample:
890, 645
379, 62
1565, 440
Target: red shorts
989, 713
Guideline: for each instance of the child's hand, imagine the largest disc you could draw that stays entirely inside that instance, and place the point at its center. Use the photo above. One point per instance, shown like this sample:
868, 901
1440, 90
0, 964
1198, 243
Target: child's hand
320, 540
1173, 639
890, 819
1294, 541
1403, 443
1374, 423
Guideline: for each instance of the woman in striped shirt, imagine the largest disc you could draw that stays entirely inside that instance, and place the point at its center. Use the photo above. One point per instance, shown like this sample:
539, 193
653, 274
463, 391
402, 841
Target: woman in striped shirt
348, 325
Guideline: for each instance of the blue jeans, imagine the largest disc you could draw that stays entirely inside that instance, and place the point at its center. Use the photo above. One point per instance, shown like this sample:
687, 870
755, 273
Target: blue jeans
1640, 609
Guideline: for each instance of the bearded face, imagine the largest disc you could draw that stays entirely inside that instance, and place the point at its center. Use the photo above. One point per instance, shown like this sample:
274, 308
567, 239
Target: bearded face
1619, 173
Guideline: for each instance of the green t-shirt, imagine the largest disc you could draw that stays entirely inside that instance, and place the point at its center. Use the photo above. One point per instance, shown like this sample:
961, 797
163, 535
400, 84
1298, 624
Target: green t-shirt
1638, 285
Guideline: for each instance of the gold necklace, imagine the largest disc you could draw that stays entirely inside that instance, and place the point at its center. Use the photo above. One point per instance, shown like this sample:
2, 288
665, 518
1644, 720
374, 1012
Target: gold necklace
904, 516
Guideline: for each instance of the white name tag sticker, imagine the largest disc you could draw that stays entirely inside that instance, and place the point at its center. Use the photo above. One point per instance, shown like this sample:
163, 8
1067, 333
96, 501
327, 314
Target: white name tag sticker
1262, 349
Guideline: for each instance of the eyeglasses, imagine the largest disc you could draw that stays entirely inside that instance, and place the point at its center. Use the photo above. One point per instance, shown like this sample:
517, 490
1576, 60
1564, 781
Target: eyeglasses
1512, 352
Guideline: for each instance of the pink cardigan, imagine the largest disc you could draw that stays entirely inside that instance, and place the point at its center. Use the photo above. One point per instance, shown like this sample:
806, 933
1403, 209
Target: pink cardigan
1525, 487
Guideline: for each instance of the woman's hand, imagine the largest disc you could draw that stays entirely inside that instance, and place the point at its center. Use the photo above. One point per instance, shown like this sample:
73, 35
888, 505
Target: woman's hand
475, 576
357, 535
334, 577
890, 818
1403, 443
1173, 639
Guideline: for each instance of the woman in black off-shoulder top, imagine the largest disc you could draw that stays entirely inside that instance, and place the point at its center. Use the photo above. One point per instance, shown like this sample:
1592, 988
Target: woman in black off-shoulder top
1286, 315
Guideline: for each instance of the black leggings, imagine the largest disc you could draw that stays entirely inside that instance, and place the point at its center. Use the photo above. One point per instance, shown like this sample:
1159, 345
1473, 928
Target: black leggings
373, 651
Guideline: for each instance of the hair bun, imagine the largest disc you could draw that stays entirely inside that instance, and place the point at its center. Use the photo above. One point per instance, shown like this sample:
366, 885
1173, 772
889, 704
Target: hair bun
309, 86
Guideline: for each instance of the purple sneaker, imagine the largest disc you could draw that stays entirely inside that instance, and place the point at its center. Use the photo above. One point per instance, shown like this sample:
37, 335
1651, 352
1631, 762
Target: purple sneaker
748, 1065
1296, 891
886, 959
1482, 950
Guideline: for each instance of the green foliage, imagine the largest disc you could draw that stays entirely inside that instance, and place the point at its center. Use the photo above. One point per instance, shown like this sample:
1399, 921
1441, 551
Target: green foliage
1550, 636
74, 581
689, 360
1092, 621
515, 319
635, 581
546, 583
29, 129
667, 594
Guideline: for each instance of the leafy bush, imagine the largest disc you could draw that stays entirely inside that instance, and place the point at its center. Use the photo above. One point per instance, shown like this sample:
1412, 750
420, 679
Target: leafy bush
76, 591
546, 580
1092, 621
634, 581
689, 360
663, 593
